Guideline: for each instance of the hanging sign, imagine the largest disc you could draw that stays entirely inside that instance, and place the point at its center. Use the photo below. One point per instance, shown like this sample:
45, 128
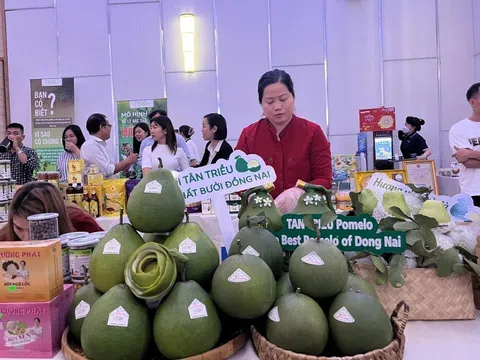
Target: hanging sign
377, 119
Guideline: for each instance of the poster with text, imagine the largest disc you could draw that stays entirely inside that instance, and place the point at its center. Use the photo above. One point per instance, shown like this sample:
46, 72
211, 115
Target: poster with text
52, 104
130, 113
377, 119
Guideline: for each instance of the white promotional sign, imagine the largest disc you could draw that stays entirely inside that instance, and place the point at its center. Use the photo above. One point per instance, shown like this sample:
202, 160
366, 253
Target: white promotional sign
380, 182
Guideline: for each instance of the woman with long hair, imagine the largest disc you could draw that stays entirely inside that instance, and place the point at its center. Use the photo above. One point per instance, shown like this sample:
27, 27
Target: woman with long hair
72, 140
39, 198
140, 132
187, 133
164, 147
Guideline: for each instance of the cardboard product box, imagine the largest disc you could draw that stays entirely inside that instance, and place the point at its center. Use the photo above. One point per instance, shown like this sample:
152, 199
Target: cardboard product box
235, 197
207, 208
75, 177
32, 271
234, 208
76, 166
100, 195
115, 196
95, 179
34, 329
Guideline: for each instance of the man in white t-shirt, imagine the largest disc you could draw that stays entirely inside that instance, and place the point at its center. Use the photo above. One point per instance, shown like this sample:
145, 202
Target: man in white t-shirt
465, 142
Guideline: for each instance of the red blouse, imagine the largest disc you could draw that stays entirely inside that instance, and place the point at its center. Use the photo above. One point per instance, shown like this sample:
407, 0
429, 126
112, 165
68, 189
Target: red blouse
82, 221
301, 153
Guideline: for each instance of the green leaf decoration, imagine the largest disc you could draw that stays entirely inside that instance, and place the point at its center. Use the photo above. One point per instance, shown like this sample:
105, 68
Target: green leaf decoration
356, 204
309, 223
396, 270
387, 224
377, 261
446, 262
328, 218
466, 254
425, 221
419, 249
360, 255
257, 220
405, 226
473, 266
397, 212
429, 238
413, 236
419, 190
381, 278
460, 268
428, 262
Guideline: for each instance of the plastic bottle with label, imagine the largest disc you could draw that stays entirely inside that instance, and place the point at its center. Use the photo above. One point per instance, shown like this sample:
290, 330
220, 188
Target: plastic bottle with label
94, 205
86, 201
79, 194
70, 192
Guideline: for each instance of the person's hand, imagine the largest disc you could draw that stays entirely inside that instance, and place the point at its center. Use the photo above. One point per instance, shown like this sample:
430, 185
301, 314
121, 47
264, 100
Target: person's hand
70, 146
422, 157
462, 155
287, 200
15, 146
132, 158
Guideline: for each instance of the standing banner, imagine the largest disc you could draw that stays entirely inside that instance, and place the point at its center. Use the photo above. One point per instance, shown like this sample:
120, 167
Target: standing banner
52, 104
130, 113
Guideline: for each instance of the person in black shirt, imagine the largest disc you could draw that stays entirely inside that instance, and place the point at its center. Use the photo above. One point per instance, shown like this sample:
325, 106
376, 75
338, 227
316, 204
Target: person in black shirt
413, 145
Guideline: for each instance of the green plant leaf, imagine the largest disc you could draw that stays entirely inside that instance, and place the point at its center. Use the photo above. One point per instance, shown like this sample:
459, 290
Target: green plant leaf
328, 218
257, 220
387, 224
474, 266
381, 278
428, 262
396, 270
419, 249
377, 261
460, 268
405, 226
419, 190
446, 262
413, 236
309, 223
356, 204
397, 212
429, 239
360, 255
466, 254
425, 221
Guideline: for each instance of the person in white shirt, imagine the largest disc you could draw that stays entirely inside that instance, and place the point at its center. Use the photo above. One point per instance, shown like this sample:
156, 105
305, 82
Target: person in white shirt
94, 150
164, 147
187, 133
465, 142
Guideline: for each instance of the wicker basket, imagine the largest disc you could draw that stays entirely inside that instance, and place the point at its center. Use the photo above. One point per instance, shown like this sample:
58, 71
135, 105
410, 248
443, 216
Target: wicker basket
393, 351
219, 353
431, 297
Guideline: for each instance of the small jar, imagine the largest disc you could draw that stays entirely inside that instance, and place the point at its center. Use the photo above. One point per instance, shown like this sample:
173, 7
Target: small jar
4, 211
80, 252
4, 190
5, 170
98, 234
11, 189
64, 239
43, 226
42, 176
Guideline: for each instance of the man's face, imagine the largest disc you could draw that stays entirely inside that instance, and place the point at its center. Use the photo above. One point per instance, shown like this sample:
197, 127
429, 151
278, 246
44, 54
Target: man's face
106, 130
475, 103
15, 134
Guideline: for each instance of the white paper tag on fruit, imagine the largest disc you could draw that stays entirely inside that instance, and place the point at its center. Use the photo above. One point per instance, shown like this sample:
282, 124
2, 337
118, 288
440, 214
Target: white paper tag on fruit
344, 316
187, 246
197, 309
118, 317
250, 251
82, 310
153, 187
239, 276
273, 314
112, 247
313, 259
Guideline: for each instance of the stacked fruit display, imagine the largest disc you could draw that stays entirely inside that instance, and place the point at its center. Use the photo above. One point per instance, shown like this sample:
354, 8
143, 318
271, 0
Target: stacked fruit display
172, 295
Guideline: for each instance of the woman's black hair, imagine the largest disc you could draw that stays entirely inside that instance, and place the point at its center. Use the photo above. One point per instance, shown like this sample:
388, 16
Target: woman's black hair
219, 121
415, 122
24, 263
8, 263
78, 133
186, 131
171, 139
136, 143
273, 77
36, 319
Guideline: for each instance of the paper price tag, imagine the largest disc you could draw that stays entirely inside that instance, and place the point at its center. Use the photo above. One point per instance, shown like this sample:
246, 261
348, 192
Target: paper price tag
197, 310
153, 187
82, 310
112, 247
313, 259
239, 276
344, 316
273, 314
187, 246
251, 251
118, 317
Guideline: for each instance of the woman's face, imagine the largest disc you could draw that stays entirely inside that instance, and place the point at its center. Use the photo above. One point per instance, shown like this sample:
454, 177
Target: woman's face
20, 226
140, 134
70, 137
278, 104
37, 322
158, 133
22, 265
208, 133
409, 127
12, 269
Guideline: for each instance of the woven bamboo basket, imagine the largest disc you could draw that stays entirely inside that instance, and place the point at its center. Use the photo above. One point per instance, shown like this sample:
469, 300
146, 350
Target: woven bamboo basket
393, 351
72, 351
431, 297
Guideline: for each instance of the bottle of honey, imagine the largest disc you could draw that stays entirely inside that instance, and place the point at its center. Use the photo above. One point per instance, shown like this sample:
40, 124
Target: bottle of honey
86, 201
94, 205
78, 194
70, 193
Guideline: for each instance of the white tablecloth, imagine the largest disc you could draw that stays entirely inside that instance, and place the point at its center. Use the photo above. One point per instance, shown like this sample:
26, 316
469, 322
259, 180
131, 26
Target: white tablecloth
436, 340
448, 186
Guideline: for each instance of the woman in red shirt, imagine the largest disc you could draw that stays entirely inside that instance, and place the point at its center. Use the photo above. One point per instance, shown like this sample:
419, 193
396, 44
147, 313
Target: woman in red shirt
40, 198
296, 148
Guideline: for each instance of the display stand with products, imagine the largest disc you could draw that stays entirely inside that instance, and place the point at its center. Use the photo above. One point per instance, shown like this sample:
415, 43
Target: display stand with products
7, 189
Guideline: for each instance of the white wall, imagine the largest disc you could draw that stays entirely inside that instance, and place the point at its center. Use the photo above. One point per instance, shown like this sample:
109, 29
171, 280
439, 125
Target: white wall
343, 55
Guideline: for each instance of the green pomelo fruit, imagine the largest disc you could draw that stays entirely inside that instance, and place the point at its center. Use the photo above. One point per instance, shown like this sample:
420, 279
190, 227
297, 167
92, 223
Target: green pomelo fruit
243, 286
356, 283
297, 323
359, 323
395, 199
368, 200
157, 238
259, 242
284, 285
319, 269
436, 210
84, 299
117, 327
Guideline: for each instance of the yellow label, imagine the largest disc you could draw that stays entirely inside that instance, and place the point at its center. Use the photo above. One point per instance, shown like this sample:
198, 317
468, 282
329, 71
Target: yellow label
86, 205
94, 208
70, 197
78, 199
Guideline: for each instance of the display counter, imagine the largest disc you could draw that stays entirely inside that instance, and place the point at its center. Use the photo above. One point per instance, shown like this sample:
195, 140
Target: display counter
447, 185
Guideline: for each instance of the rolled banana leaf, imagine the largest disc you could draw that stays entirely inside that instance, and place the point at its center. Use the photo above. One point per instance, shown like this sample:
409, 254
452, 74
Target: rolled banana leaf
151, 271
